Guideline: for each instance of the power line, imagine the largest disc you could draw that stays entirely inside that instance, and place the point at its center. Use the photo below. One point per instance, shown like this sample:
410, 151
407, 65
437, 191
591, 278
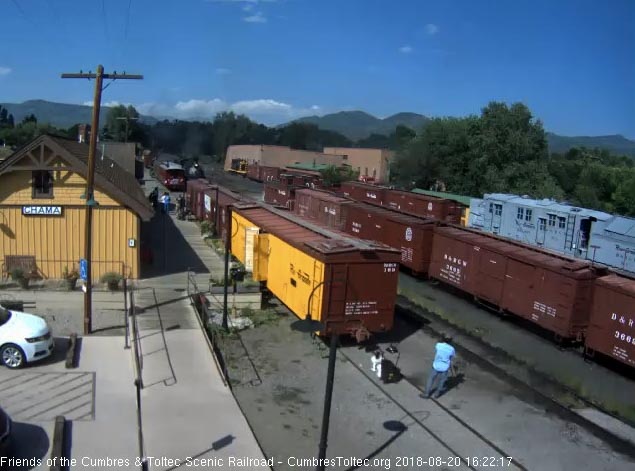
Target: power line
105, 18
125, 36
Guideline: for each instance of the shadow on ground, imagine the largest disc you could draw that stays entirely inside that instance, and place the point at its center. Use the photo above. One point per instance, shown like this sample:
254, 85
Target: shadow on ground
171, 253
30, 443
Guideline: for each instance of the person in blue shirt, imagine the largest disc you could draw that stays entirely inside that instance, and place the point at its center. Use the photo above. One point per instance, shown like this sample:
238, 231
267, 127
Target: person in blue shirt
441, 366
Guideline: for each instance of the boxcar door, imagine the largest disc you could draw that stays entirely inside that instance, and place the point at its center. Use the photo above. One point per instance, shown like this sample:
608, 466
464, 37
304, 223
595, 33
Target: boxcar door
519, 289
250, 234
491, 276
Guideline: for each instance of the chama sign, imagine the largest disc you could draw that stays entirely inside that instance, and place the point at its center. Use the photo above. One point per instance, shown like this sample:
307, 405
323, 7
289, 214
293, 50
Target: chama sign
42, 210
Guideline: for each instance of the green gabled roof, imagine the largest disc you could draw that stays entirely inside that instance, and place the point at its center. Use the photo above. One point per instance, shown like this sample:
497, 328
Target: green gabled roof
464, 200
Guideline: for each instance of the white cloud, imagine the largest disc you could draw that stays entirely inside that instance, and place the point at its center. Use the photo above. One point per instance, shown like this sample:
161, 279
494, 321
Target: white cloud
260, 106
405, 49
5, 71
265, 110
223, 71
248, 7
107, 103
257, 18
432, 29
199, 108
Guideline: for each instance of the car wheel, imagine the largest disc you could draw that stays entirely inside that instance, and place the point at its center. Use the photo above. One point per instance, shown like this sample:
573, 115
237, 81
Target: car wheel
12, 356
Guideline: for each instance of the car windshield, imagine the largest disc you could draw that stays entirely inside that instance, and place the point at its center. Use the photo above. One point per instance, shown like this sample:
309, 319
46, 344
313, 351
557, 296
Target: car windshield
5, 315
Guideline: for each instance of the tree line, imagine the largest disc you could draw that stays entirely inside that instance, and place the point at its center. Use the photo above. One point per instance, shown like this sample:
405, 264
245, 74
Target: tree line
502, 150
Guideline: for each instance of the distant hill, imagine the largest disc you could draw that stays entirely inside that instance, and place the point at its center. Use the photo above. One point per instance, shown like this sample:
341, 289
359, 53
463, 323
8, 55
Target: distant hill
357, 124
616, 143
61, 115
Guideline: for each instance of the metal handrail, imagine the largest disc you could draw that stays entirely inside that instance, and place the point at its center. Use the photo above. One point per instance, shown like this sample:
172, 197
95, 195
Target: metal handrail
136, 341
138, 382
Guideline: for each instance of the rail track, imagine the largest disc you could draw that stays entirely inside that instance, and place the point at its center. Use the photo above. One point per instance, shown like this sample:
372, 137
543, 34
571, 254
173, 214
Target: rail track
496, 451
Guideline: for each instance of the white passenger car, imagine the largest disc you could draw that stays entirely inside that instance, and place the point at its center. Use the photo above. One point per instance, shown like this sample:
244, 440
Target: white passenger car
24, 338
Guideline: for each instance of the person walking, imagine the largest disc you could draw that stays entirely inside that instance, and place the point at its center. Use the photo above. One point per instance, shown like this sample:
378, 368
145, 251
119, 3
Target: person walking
165, 199
441, 366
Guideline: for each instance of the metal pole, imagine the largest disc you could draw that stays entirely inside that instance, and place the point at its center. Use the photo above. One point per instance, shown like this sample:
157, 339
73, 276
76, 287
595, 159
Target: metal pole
144, 461
327, 402
126, 313
216, 217
228, 241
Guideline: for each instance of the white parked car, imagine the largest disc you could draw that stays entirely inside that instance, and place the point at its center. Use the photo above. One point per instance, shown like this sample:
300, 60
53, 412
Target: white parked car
23, 338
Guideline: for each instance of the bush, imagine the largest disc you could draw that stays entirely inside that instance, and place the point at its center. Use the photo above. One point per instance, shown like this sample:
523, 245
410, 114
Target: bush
17, 274
206, 227
70, 275
112, 279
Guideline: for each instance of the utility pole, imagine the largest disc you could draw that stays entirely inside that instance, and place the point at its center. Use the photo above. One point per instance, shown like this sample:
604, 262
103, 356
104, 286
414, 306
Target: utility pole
90, 180
127, 118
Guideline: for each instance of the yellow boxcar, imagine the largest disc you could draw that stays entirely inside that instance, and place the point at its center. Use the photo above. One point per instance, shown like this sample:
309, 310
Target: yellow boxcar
349, 285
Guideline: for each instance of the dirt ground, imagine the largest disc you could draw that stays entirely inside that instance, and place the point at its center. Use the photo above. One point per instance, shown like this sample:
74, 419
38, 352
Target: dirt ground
278, 377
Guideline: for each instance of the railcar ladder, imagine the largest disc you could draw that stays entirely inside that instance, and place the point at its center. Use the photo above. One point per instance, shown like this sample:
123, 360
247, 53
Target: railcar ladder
568, 235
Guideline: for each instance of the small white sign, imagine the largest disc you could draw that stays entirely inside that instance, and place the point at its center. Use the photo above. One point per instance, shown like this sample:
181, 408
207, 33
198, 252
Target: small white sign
409, 234
208, 204
131, 242
429, 206
42, 210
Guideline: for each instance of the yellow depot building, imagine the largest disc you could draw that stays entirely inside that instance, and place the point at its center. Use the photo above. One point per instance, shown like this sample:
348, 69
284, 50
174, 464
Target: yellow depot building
43, 211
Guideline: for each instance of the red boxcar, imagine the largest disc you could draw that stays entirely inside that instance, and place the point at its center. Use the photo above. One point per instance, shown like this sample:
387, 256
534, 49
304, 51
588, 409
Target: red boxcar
423, 205
195, 198
322, 206
547, 289
279, 194
364, 192
170, 175
409, 234
611, 328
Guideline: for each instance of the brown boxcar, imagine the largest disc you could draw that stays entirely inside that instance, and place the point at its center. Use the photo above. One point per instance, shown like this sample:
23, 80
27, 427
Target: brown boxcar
349, 285
269, 174
262, 173
225, 198
611, 328
279, 194
545, 288
364, 192
195, 198
423, 205
410, 234
252, 171
321, 206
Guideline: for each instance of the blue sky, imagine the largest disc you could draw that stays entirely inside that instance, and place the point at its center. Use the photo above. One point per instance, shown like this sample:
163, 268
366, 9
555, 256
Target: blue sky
572, 62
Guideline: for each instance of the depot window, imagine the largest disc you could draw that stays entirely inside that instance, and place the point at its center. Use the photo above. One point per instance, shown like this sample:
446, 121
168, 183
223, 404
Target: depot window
498, 209
561, 222
42, 184
542, 224
552, 220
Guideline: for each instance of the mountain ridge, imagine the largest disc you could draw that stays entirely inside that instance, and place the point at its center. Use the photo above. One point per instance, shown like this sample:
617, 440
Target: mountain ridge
354, 124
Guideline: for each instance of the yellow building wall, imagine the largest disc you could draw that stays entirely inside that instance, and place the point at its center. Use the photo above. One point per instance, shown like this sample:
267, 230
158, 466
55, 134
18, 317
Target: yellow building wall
15, 188
290, 264
58, 241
